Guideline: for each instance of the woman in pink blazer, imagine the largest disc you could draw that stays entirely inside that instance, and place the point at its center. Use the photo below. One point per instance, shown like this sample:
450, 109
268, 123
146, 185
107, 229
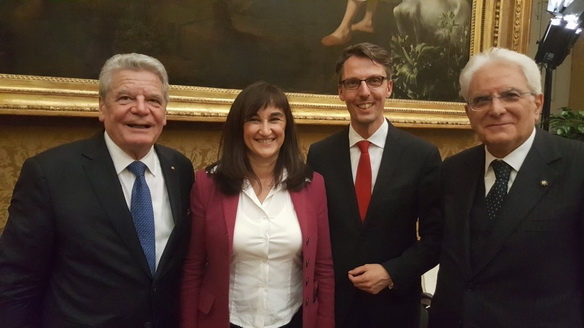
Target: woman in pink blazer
259, 254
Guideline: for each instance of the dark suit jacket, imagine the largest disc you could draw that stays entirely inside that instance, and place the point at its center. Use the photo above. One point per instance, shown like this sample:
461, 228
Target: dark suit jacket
70, 256
406, 190
530, 273
205, 289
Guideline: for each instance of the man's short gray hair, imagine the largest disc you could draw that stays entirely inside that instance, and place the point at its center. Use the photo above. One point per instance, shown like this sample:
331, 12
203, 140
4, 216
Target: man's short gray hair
134, 62
501, 55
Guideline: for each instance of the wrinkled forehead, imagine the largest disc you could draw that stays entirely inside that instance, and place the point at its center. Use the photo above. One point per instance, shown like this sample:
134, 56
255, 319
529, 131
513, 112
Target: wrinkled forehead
358, 64
143, 79
497, 77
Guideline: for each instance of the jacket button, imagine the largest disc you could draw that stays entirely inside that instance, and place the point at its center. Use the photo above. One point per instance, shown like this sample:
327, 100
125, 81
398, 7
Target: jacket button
307, 280
307, 262
306, 302
307, 241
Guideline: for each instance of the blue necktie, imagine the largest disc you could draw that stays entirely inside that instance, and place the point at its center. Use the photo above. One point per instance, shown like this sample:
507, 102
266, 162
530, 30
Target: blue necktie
142, 213
497, 194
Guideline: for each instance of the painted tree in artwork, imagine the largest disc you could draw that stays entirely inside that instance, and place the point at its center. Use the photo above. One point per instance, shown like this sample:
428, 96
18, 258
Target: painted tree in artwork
429, 70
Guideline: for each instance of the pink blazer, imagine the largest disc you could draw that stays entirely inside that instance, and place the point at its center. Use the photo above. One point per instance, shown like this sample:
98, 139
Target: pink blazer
205, 284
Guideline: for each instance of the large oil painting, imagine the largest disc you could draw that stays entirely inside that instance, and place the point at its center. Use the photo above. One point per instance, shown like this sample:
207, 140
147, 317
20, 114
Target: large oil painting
227, 44
232, 43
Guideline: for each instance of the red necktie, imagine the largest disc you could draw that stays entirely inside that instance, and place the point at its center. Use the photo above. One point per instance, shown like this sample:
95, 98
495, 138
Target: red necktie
363, 178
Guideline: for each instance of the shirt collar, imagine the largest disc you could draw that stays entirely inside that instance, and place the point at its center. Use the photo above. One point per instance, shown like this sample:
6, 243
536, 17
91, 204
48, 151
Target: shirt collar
516, 158
378, 138
248, 190
122, 160
246, 187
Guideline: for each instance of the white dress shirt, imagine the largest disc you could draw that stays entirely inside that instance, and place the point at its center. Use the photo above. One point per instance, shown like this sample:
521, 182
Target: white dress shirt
163, 221
265, 288
375, 150
515, 159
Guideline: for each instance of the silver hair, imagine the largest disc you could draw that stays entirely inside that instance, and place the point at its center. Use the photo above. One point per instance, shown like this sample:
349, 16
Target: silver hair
134, 62
501, 55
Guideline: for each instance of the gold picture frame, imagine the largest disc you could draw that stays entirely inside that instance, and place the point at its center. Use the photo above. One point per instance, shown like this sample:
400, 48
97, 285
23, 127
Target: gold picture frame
503, 23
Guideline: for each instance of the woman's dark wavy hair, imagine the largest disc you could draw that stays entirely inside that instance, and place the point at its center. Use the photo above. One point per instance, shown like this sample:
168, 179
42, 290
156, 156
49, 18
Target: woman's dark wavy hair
233, 164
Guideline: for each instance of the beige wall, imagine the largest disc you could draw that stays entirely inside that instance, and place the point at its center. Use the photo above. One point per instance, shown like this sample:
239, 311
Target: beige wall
25, 136
577, 85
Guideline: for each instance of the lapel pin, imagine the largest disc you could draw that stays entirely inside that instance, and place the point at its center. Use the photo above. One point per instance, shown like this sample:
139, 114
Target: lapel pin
544, 183
172, 168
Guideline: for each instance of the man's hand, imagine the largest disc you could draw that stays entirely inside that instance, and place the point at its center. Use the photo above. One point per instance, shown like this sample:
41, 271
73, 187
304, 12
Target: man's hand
371, 278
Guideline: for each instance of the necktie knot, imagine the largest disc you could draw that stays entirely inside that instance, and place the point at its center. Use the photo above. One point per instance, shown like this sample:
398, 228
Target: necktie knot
138, 168
363, 146
502, 169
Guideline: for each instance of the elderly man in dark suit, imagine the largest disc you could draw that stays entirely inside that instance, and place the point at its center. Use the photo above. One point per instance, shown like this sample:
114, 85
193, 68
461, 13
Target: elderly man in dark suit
382, 186
91, 241
512, 252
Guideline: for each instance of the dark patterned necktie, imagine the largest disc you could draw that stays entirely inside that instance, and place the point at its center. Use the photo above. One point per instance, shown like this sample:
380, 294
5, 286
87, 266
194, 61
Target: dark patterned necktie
143, 214
497, 194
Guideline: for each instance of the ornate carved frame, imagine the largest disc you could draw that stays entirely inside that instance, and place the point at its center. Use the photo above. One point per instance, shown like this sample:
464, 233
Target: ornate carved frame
503, 23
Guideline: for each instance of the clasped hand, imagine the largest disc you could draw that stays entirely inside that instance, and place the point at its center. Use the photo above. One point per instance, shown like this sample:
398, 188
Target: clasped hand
371, 278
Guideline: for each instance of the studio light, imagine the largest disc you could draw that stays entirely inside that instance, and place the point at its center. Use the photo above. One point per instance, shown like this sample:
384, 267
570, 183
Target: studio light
558, 6
562, 32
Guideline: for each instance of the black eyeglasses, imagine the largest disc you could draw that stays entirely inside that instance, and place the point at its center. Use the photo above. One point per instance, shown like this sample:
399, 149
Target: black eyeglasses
506, 98
372, 82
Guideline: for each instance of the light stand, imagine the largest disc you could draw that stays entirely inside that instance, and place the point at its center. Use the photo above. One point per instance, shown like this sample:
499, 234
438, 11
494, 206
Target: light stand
561, 34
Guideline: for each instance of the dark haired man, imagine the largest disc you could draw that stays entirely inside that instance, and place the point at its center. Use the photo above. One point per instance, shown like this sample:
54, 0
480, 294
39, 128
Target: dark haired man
382, 188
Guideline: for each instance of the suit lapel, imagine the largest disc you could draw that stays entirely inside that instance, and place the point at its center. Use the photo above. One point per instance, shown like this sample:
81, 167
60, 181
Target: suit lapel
230, 211
340, 166
466, 182
525, 193
171, 180
102, 176
388, 167
172, 183
299, 202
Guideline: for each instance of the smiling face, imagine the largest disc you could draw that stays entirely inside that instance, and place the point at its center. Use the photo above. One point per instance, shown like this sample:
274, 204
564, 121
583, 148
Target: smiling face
365, 104
263, 135
503, 127
134, 111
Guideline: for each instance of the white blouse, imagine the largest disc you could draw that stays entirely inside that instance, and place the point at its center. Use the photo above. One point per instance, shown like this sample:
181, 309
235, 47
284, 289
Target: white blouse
265, 288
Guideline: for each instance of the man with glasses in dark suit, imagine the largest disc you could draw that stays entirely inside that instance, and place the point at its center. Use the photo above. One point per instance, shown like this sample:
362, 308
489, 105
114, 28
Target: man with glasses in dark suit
382, 188
512, 253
